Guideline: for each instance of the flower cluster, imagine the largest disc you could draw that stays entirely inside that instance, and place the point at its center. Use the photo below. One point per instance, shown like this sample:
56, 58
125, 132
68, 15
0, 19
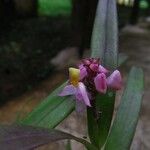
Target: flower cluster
90, 78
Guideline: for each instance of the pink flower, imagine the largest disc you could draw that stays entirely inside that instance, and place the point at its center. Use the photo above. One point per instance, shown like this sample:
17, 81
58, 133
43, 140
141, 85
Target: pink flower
114, 81
94, 67
83, 72
100, 83
101, 69
76, 88
90, 78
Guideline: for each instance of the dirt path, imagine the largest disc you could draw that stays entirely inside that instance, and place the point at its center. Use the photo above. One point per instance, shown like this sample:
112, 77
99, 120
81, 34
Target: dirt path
135, 42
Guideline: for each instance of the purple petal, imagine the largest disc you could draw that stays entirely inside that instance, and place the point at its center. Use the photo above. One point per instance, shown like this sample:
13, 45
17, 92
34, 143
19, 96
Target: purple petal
83, 94
68, 90
114, 81
83, 72
94, 67
100, 83
78, 95
102, 69
86, 62
80, 107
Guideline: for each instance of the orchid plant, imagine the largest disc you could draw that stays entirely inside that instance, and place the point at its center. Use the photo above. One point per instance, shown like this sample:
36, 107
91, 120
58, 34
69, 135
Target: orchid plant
93, 86
90, 78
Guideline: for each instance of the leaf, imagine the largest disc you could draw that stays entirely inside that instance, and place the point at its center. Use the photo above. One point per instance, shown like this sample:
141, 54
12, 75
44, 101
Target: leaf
104, 46
93, 130
105, 107
122, 58
105, 34
68, 146
124, 125
51, 111
16, 137
98, 127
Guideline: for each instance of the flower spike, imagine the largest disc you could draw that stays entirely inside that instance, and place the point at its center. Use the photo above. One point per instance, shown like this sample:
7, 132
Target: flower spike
100, 83
90, 78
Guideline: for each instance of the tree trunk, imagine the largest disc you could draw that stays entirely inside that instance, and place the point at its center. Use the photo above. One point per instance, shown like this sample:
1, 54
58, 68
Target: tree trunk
6, 8
1, 9
148, 9
7, 13
135, 12
83, 14
26, 7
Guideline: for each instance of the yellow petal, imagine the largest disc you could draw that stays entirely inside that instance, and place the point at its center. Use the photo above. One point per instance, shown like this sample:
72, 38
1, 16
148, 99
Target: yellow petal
74, 75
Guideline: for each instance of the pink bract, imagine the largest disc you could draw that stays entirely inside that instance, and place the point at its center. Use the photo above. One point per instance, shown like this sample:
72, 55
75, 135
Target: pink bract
79, 92
114, 81
100, 83
90, 78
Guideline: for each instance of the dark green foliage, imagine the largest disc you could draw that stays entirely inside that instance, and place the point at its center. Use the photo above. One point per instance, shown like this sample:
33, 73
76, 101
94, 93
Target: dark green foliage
51, 111
124, 125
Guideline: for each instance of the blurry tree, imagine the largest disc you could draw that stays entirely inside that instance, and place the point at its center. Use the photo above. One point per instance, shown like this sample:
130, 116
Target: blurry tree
135, 12
83, 14
7, 13
148, 9
11, 8
1, 9
6, 8
26, 7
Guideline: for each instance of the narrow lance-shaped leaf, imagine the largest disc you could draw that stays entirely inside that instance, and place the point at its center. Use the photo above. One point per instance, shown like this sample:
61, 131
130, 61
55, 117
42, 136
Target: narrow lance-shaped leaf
105, 34
105, 107
122, 58
104, 46
16, 137
68, 145
124, 125
93, 129
51, 111
98, 127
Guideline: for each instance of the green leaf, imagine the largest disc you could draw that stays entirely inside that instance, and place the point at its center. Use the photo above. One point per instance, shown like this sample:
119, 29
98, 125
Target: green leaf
105, 105
105, 34
27, 137
98, 127
68, 145
104, 46
51, 111
93, 130
124, 125
122, 58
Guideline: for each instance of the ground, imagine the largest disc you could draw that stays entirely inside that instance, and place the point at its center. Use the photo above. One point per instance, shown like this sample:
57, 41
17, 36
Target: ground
134, 41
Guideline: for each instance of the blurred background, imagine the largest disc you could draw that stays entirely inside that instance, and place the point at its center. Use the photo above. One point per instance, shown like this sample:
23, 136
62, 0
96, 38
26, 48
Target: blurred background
39, 39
